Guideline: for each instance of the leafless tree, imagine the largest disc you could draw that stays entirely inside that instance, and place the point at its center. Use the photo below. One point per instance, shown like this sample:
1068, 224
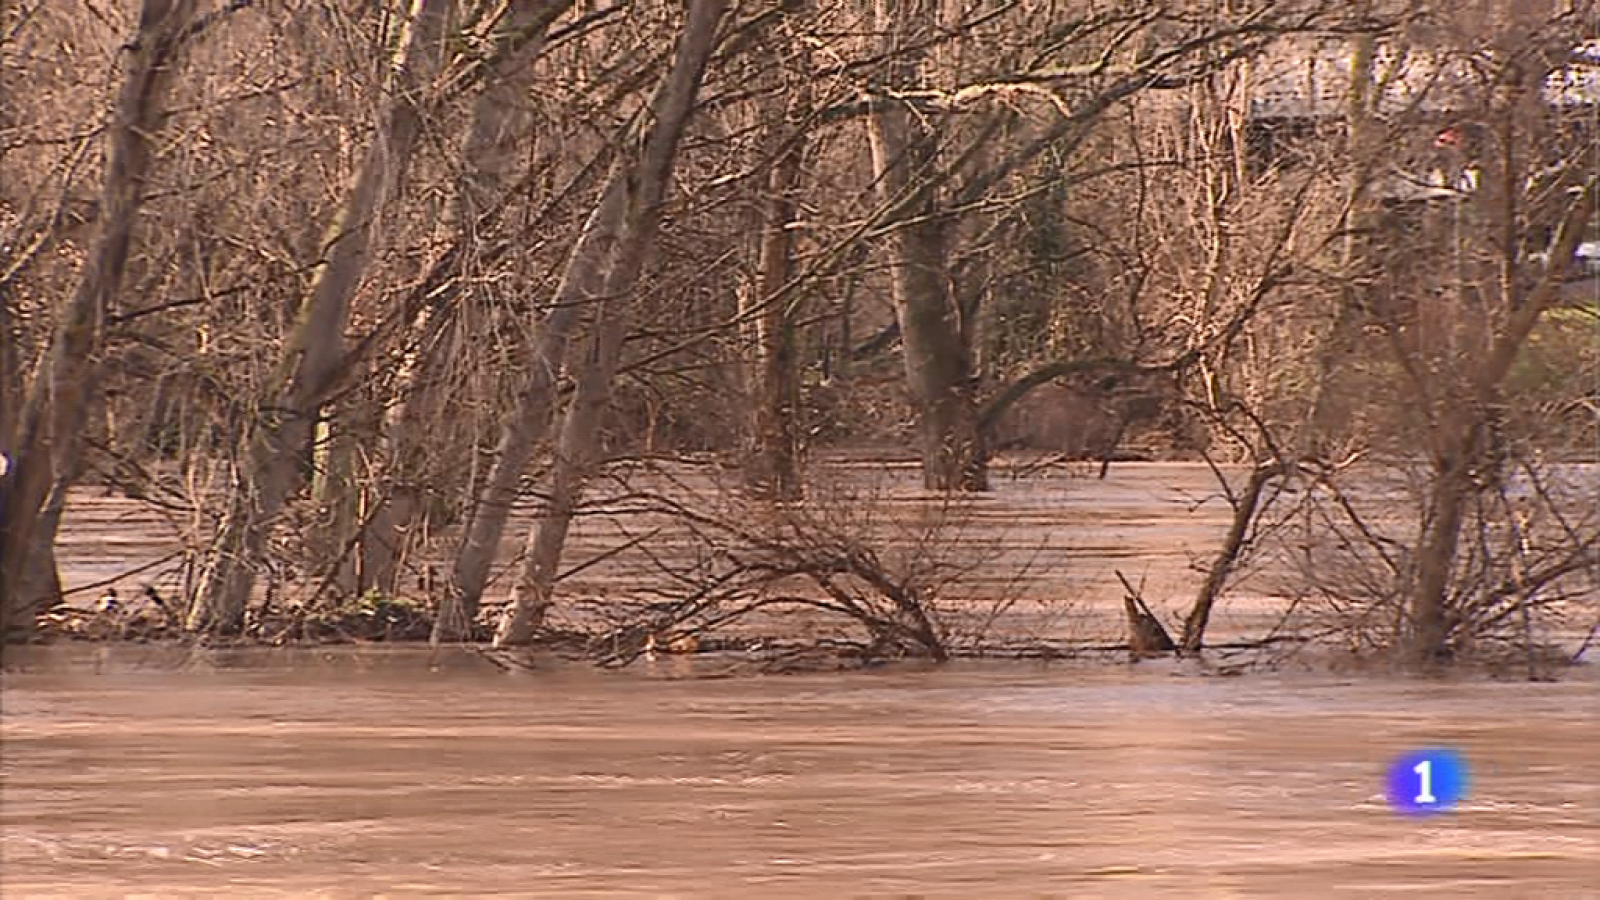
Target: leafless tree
47, 443
605, 264
315, 357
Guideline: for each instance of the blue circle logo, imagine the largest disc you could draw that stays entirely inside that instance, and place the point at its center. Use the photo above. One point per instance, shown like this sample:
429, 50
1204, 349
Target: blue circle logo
1426, 782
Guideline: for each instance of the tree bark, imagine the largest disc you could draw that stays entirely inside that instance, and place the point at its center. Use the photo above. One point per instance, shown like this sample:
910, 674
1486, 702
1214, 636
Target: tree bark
1441, 531
50, 427
1463, 441
775, 447
336, 493
1244, 513
314, 356
651, 174
10, 383
581, 284
40, 585
499, 119
576, 452
937, 362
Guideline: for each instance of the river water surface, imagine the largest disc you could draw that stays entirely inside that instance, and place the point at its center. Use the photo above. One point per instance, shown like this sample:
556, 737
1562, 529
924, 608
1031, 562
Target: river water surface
345, 774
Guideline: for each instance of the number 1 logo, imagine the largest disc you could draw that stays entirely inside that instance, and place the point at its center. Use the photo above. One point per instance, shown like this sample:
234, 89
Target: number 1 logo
1424, 772
1429, 781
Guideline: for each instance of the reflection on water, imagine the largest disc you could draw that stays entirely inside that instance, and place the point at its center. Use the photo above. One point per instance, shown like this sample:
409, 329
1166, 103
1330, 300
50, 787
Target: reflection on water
351, 774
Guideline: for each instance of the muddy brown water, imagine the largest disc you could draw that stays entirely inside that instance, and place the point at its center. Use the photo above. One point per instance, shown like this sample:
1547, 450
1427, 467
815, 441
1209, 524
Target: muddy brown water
157, 772
140, 771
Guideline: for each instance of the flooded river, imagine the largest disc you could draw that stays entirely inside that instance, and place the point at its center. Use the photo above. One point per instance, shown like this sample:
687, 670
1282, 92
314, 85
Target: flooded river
346, 774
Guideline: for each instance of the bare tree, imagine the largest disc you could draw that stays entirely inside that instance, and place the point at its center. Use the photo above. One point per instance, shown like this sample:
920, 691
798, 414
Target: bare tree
1450, 252
605, 263
1519, 203
315, 355
938, 362
499, 121
931, 177
50, 426
775, 442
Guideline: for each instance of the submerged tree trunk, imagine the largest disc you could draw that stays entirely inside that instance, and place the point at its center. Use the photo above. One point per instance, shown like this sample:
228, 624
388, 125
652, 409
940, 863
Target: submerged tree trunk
1452, 488
415, 472
40, 585
938, 364
1244, 515
1465, 446
576, 453
1463, 437
773, 466
525, 426
338, 460
582, 282
272, 468
48, 441
577, 449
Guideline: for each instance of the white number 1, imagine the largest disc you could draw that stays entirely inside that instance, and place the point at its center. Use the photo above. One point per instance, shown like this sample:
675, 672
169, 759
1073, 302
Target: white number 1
1424, 772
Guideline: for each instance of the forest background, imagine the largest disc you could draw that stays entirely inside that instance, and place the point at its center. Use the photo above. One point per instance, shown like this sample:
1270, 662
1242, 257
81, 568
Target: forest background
336, 285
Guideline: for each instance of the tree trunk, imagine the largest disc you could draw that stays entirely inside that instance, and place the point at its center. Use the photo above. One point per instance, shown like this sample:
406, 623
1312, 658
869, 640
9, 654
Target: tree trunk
651, 173
581, 284
336, 493
53, 417
576, 453
315, 354
1463, 439
1441, 531
1324, 412
1463, 445
938, 364
40, 586
10, 410
500, 117
10, 384
774, 461
1244, 513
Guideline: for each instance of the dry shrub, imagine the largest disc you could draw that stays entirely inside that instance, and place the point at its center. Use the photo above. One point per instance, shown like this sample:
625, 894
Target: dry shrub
862, 568
1526, 579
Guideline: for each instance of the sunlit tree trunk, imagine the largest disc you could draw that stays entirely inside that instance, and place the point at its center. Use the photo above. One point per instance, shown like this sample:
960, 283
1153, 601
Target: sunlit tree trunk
272, 468
575, 456
500, 117
1245, 506
339, 463
530, 417
48, 441
582, 281
938, 364
577, 448
773, 465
